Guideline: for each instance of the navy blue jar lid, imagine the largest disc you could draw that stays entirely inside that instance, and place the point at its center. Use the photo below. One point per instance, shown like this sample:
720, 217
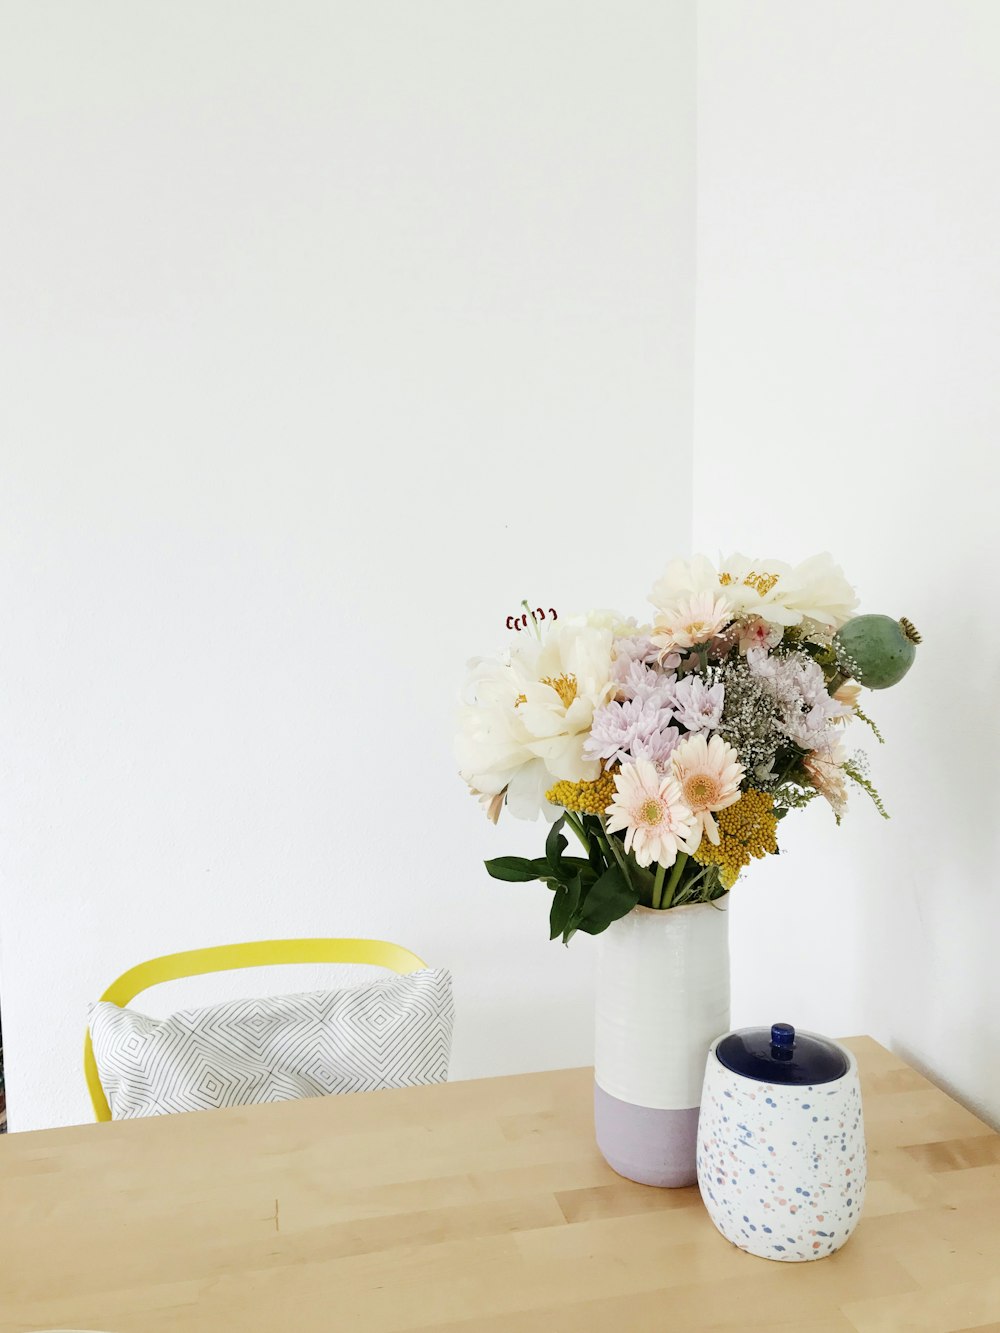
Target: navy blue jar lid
779, 1054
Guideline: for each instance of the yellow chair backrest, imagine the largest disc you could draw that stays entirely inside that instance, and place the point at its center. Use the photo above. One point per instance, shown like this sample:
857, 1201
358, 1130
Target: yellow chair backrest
226, 957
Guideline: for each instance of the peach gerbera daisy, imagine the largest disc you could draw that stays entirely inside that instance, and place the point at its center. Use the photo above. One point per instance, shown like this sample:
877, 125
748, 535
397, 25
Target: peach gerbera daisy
691, 621
649, 807
848, 694
827, 776
709, 774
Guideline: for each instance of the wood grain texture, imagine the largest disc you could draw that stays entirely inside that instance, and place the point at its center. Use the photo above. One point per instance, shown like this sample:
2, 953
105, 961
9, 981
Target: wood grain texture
474, 1207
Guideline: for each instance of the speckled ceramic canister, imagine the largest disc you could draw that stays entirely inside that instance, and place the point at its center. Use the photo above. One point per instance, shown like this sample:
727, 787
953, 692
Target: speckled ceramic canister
662, 998
781, 1143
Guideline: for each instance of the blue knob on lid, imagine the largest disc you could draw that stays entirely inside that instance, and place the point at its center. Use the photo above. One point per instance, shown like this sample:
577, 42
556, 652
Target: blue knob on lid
781, 1055
782, 1041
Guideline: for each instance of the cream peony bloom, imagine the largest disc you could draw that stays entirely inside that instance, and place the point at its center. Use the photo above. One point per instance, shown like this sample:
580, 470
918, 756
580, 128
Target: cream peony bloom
709, 774
526, 716
621, 627
814, 591
683, 579
649, 807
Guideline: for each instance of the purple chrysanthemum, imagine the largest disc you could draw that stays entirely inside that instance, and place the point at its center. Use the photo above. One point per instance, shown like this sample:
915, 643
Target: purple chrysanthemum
622, 732
698, 706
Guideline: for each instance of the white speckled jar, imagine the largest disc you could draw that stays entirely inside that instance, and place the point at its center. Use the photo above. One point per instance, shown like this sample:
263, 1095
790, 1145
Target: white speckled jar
662, 997
782, 1166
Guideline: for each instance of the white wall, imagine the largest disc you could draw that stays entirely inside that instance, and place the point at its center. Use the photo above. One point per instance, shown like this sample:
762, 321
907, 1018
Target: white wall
846, 398
319, 321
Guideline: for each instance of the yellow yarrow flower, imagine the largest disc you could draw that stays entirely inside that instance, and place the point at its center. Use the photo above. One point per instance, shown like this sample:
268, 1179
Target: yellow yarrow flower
747, 830
588, 798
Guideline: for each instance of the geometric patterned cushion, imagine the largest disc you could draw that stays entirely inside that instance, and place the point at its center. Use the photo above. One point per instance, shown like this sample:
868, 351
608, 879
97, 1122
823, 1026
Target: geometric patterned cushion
390, 1033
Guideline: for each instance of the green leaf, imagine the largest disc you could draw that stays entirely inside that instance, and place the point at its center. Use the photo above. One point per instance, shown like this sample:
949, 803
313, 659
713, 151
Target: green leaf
642, 881
593, 828
597, 862
565, 867
584, 867
564, 907
611, 898
521, 869
555, 843
517, 869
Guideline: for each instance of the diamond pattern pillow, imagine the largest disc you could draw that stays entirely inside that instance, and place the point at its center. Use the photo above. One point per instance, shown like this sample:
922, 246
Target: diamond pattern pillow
391, 1033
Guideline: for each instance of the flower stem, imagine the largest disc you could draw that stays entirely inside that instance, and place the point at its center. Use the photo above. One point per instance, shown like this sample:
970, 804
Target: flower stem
675, 875
661, 870
613, 852
577, 828
783, 777
696, 889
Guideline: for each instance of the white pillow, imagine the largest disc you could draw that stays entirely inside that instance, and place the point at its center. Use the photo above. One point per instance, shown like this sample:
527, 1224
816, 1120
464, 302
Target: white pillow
391, 1033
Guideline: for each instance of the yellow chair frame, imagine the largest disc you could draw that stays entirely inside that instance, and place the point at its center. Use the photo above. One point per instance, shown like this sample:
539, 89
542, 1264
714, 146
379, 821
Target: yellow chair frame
225, 958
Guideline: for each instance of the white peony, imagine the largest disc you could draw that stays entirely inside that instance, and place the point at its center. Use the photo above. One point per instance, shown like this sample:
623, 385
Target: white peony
621, 627
527, 715
814, 590
781, 594
682, 580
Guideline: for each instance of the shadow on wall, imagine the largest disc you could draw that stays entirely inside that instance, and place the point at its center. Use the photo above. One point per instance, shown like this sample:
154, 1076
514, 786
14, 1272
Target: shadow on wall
929, 910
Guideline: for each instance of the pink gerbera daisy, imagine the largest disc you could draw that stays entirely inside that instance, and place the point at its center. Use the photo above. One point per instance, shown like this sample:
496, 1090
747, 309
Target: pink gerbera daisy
649, 807
709, 774
690, 622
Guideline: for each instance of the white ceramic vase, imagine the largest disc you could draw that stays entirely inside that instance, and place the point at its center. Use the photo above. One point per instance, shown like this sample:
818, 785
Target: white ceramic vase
662, 999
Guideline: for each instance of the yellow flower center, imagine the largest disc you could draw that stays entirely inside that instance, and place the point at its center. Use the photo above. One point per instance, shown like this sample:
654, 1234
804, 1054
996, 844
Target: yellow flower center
564, 686
700, 791
651, 812
762, 583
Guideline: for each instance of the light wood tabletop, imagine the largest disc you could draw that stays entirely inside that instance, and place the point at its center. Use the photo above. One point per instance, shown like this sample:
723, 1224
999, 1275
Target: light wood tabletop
479, 1206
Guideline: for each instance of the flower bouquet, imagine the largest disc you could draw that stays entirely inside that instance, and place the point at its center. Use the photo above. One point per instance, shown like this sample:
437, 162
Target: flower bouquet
673, 750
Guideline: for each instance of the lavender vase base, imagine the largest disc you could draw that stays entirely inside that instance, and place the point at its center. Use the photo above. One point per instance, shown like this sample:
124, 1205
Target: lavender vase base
644, 1144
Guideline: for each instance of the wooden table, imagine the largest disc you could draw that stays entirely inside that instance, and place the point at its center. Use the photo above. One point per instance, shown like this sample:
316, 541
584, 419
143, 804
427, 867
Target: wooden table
480, 1206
